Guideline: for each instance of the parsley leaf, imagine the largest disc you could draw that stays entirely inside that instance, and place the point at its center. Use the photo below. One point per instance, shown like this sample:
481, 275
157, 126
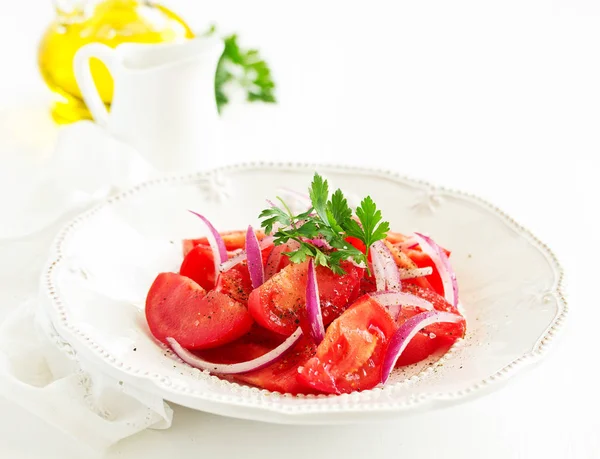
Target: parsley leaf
338, 211
244, 67
319, 192
330, 221
369, 216
274, 215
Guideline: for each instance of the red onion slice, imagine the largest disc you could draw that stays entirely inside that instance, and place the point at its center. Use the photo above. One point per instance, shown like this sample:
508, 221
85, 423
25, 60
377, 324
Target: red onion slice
265, 243
255, 262
395, 300
387, 275
216, 242
441, 262
413, 273
406, 332
313, 305
236, 368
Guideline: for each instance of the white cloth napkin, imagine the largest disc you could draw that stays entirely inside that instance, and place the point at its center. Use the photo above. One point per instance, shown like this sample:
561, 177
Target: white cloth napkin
38, 369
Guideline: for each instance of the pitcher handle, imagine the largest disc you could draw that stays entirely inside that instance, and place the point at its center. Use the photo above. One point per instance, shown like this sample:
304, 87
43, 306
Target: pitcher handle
83, 76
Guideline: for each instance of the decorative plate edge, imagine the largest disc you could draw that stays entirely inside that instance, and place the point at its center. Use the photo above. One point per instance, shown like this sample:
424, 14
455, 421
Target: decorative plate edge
311, 404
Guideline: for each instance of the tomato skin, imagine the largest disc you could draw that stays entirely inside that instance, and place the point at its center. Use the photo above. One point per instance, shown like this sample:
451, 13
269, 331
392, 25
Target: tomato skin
198, 264
434, 338
357, 243
281, 376
234, 240
351, 354
419, 260
235, 283
404, 261
253, 344
179, 308
279, 304
395, 238
422, 260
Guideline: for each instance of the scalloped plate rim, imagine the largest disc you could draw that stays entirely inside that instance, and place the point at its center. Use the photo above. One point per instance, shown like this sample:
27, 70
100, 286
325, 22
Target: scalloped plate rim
313, 405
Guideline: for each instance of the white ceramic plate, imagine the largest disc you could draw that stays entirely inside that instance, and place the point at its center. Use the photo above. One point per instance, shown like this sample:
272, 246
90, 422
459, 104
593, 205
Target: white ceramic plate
105, 260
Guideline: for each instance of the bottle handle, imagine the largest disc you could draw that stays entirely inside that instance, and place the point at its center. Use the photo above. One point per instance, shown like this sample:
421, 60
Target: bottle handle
83, 76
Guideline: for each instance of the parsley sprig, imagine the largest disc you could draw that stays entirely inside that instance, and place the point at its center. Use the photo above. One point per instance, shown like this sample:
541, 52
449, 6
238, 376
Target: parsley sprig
244, 68
329, 219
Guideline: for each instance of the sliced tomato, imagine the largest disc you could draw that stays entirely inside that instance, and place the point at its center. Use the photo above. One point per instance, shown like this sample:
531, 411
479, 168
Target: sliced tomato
422, 260
403, 261
357, 243
368, 284
395, 238
281, 376
253, 344
233, 240
199, 264
179, 308
351, 355
419, 259
236, 283
276, 259
279, 304
437, 337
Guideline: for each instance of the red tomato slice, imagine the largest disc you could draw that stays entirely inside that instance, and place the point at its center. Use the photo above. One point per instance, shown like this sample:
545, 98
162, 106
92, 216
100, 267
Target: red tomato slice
434, 338
236, 283
367, 284
351, 355
233, 240
253, 344
199, 264
395, 238
403, 261
279, 304
357, 243
419, 260
281, 376
179, 308
423, 261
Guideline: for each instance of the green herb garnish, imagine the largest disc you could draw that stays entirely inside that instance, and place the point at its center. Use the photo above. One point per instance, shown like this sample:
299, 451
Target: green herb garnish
330, 220
244, 67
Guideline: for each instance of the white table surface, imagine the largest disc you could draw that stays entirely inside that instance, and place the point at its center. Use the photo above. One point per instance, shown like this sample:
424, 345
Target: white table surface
497, 98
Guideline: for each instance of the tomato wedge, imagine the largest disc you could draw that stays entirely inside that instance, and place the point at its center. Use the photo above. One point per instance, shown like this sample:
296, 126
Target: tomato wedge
199, 265
235, 283
351, 355
404, 261
281, 376
179, 308
279, 304
437, 337
233, 240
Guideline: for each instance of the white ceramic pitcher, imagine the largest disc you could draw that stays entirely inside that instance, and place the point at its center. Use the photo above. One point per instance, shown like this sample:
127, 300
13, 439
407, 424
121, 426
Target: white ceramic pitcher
163, 101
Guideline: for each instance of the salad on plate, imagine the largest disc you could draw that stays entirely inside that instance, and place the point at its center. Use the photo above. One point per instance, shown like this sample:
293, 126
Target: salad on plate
327, 300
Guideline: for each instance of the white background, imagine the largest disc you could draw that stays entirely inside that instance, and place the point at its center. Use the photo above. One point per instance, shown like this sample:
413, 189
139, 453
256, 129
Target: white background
497, 98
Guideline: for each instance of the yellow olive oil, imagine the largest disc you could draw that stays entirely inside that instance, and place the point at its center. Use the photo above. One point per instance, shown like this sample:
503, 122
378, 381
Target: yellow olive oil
110, 22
